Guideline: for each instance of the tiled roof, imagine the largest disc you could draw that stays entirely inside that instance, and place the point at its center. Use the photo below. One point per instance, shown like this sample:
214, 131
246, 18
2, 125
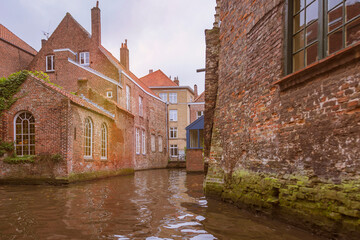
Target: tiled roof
10, 37
200, 98
158, 79
130, 74
82, 101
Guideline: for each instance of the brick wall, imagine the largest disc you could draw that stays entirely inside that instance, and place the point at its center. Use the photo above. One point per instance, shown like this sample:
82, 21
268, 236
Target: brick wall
13, 59
194, 160
305, 127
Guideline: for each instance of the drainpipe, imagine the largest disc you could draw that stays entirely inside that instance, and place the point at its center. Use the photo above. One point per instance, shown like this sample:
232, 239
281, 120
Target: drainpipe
167, 128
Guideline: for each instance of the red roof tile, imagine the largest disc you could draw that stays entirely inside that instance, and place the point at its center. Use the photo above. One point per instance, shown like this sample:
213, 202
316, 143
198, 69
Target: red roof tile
119, 65
158, 79
10, 37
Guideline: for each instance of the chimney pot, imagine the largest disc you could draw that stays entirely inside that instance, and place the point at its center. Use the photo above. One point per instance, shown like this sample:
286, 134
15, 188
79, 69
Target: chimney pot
195, 91
43, 41
96, 24
124, 55
176, 80
151, 71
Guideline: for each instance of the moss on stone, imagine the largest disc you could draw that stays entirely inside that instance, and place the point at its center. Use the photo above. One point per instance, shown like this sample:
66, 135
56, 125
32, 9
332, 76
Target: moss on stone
77, 177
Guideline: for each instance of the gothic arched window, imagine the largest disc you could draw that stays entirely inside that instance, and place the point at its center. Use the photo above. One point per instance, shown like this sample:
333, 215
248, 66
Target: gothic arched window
24, 134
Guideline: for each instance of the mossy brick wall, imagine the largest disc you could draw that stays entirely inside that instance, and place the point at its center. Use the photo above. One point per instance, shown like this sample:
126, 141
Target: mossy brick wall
309, 130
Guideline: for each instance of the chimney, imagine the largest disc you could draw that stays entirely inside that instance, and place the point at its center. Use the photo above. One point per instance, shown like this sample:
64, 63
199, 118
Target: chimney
96, 24
151, 71
176, 80
195, 91
43, 41
124, 55
82, 87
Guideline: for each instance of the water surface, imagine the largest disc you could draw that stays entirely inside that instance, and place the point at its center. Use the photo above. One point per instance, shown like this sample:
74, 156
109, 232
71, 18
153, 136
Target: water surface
156, 204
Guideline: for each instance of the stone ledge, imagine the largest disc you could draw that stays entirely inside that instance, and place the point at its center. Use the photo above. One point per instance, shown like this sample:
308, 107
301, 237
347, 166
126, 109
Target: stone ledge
332, 62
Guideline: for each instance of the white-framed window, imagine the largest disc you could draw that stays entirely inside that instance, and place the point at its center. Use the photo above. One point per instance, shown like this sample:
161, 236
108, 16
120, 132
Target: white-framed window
173, 116
137, 139
128, 98
50, 63
143, 142
84, 58
153, 147
160, 140
141, 109
109, 94
173, 97
199, 114
174, 150
104, 141
24, 131
173, 132
163, 96
88, 138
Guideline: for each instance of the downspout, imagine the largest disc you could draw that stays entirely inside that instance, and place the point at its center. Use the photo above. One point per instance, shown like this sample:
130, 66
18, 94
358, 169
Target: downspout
167, 129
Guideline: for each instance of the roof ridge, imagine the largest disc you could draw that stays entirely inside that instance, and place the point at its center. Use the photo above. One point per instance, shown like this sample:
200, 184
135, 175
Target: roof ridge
4, 30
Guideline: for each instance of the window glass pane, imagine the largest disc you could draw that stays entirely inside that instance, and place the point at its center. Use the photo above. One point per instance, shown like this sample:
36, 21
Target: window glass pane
194, 139
352, 9
353, 32
299, 21
335, 41
312, 54
333, 3
298, 5
298, 61
312, 33
335, 18
298, 41
312, 12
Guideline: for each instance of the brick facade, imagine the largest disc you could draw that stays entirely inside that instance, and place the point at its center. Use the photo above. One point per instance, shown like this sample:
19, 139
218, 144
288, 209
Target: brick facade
194, 160
15, 54
286, 143
90, 85
197, 106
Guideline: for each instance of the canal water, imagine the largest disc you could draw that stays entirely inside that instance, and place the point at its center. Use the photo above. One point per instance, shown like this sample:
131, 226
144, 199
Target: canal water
156, 204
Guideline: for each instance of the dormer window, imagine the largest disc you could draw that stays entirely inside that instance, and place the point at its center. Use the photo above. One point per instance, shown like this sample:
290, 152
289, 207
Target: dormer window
85, 58
109, 94
50, 63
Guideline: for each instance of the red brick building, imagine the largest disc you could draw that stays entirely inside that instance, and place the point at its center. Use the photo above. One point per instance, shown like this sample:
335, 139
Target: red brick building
15, 54
282, 114
197, 107
106, 119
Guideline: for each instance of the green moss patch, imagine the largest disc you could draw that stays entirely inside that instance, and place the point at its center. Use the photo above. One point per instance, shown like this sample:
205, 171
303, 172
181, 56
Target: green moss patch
19, 160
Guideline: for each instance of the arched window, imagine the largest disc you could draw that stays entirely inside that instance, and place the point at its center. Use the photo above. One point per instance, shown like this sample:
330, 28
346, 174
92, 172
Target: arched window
104, 139
24, 134
88, 133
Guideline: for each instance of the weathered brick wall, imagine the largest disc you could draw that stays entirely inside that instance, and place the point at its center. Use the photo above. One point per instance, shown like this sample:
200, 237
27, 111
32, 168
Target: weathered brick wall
268, 140
12, 59
211, 84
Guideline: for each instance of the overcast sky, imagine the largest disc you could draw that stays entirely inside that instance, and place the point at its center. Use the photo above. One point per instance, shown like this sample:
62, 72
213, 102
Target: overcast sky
162, 34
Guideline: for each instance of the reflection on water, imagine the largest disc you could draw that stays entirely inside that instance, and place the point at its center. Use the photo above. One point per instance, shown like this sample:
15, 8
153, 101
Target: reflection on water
158, 204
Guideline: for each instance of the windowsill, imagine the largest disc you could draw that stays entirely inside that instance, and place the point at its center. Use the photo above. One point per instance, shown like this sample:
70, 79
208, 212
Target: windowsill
137, 153
85, 65
103, 159
327, 64
173, 121
50, 71
88, 158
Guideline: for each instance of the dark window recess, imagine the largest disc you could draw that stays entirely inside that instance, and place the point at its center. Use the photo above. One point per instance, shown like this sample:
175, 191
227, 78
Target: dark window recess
318, 28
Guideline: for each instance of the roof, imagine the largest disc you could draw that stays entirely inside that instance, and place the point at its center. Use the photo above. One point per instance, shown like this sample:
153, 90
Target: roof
200, 98
8, 36
79, 100
197, 124
158, 79
117, 64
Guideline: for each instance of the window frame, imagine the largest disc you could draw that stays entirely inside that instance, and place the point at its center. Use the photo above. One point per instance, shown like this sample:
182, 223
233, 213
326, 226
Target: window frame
31, 143
160, 143
141, 106
172, 149
173, 98
52, 57
323, 33
104, 141
128, 98
163, 94
201, 114
137, 141
86, 57
109, 94
91, 138
173, 133
173, 118
143, 142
